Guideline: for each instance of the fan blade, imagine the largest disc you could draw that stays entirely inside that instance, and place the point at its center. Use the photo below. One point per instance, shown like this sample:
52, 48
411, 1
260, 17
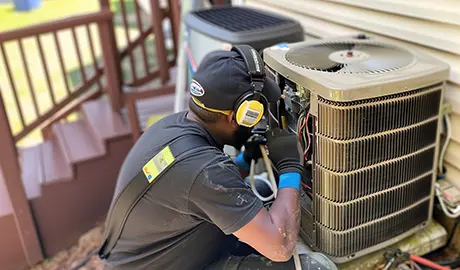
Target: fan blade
385, 58
380, 57
316, 56
352, 68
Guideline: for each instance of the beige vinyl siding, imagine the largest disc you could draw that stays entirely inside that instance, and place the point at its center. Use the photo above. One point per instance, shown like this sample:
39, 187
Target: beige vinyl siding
432, 27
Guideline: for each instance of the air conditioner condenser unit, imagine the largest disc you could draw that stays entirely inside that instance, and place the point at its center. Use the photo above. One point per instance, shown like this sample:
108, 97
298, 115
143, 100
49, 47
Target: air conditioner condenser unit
367, 114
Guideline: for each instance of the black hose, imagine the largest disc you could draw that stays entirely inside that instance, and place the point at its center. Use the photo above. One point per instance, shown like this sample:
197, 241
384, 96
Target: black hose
453, 263
452, 233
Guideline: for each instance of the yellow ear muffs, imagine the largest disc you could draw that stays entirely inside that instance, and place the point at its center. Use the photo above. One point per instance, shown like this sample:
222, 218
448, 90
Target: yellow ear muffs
249, 113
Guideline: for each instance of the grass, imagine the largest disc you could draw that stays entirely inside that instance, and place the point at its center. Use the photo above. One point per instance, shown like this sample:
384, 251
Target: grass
49, 11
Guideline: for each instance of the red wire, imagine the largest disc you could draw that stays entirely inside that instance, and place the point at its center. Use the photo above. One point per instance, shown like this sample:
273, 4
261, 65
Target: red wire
299, 134
306, 186
428, 263
191, 58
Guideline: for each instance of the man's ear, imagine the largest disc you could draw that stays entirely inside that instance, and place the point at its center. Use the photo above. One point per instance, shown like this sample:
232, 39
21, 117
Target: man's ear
231, 120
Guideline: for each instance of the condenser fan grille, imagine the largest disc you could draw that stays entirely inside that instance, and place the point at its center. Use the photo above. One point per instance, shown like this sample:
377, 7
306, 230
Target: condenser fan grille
349, 57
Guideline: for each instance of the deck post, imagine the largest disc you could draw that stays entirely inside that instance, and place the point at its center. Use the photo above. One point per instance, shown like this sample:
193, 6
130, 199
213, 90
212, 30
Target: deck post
112, 62
12, 174
175, 13
157, 16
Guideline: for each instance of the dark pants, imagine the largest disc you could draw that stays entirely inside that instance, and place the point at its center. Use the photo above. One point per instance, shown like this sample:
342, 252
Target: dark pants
241, 256
254, 261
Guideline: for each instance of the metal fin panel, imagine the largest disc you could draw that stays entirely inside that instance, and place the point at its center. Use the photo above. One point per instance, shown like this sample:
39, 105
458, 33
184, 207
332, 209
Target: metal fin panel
345, 156
348, 120
343, 243
342, 187
344, 216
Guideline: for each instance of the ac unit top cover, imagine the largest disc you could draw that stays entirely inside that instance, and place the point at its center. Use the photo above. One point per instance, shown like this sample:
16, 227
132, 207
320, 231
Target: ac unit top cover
350, 69
242, 25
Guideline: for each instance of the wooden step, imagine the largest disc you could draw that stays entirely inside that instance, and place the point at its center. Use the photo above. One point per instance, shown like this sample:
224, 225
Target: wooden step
103, 122
32, 170
77, 141
55, 167
162, 105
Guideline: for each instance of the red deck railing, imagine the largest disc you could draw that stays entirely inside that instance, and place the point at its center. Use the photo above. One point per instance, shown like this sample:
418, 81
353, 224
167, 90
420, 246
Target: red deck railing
101, 74
36, 33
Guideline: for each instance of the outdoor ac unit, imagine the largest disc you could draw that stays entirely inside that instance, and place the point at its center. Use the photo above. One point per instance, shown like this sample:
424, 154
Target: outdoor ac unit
369, 113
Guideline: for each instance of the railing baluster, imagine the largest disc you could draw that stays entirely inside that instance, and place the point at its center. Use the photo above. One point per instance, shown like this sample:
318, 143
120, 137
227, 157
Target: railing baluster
29, 81
125, 22
140, 26
80, 62
13, 85
61, 61
45, 68
93, 55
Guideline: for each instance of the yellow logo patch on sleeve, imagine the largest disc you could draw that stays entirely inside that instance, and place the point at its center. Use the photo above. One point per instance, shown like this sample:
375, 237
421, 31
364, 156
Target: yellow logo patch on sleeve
158, 164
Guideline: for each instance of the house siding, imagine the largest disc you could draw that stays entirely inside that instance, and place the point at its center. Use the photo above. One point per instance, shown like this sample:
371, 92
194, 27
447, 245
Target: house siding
432, 27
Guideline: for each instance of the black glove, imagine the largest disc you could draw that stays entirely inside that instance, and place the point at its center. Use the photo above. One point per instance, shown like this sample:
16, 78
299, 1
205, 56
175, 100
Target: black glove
284, 151
252, 149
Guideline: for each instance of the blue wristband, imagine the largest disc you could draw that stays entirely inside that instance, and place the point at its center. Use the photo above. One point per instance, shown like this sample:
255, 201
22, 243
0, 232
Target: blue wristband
290, 180
239, 160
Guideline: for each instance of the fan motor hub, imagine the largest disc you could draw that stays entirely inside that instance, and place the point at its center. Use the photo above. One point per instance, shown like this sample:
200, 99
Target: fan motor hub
348, 56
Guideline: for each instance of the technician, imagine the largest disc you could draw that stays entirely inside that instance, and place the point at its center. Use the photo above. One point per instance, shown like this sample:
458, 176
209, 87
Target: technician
198, 205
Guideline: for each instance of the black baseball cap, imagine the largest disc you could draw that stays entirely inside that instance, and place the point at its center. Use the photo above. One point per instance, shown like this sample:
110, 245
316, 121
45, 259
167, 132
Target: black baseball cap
222, 78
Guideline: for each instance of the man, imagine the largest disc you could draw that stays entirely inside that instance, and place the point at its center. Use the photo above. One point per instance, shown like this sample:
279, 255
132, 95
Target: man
193, 214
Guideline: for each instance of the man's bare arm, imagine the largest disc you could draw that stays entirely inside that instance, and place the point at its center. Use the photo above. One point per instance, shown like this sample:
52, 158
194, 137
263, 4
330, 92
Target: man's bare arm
274, 233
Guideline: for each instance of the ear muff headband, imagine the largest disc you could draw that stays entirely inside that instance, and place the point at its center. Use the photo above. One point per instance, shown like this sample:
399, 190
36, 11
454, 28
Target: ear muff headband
248, 109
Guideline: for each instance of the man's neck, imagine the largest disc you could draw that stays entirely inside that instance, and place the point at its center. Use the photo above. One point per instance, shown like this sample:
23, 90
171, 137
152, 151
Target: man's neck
212, 129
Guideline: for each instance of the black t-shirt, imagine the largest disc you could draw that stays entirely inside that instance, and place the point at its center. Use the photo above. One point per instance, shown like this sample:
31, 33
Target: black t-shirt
183, 221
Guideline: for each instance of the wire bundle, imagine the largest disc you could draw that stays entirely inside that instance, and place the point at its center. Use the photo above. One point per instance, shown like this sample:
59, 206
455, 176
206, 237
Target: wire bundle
303, 133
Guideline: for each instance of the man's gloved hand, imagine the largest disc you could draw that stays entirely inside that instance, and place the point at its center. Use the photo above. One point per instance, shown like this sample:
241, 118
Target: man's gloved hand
252, 149
285, 151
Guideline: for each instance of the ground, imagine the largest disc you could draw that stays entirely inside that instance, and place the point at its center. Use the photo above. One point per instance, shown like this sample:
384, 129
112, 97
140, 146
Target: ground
67, 259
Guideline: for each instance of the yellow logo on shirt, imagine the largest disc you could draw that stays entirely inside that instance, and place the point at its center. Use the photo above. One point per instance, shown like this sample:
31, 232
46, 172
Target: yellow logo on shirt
158, 164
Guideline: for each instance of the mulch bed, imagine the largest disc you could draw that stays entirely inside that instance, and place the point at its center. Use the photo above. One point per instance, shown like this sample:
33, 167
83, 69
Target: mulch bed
68, 259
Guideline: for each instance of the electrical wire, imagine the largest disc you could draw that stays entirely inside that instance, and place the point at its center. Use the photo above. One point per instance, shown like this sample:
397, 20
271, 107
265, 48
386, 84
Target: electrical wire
428, 263
308, 135
303, 133
273, 117
446, 211
444, 147
415, 265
